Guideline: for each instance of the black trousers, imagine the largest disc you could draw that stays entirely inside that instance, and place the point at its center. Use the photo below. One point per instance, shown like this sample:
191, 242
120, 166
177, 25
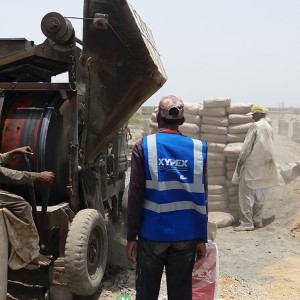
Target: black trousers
177, 258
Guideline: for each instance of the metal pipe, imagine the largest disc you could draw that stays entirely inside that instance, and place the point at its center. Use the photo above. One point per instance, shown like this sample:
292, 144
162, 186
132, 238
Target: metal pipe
3, 258
73, 152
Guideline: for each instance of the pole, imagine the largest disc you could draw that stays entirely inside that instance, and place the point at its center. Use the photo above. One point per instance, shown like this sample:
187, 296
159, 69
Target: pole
3, 258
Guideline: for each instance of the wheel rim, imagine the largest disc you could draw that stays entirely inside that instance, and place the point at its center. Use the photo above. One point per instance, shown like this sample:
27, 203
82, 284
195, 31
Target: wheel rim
94, 252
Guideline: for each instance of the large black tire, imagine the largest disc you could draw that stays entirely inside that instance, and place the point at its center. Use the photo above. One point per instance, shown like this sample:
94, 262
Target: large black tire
86, 252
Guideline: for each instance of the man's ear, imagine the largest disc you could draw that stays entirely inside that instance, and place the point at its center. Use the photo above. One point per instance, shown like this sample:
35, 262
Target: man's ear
181, 121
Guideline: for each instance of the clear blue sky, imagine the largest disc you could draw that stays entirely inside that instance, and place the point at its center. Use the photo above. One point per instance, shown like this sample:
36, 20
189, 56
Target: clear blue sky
248, 50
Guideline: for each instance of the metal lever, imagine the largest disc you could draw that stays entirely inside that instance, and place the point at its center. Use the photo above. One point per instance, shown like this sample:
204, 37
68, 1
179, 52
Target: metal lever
32, 199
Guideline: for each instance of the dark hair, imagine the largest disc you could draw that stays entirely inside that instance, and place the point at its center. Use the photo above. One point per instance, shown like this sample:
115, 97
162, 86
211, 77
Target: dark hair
263, 115
171, 121
174, 111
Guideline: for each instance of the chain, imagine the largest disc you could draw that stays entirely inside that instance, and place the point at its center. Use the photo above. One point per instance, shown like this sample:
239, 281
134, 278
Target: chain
73, 73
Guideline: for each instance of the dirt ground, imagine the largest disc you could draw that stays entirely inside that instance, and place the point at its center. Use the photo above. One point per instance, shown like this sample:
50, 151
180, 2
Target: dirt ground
262, 264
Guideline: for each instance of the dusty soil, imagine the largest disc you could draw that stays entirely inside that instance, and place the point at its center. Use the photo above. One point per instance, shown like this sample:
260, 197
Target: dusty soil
262, 264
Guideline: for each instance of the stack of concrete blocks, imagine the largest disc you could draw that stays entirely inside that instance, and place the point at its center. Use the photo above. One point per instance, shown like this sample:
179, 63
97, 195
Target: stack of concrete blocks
214, 129
239, 123
232, 151
191, 126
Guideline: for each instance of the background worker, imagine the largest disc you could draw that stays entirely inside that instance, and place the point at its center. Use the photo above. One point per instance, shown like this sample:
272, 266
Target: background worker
167, 206
256, 170
27, 252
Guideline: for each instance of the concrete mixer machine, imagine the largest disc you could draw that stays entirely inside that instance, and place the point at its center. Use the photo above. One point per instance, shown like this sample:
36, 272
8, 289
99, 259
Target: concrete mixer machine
77, 128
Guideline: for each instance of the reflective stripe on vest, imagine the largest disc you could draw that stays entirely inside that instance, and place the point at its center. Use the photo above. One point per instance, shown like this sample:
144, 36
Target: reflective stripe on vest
173, 206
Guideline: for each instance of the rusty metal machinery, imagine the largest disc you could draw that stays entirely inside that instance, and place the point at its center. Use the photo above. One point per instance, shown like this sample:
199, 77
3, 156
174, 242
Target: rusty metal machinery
77, 129
39, 123
58, 29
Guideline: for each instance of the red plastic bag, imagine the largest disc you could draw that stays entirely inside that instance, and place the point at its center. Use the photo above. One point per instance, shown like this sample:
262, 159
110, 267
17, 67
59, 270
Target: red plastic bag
205, 275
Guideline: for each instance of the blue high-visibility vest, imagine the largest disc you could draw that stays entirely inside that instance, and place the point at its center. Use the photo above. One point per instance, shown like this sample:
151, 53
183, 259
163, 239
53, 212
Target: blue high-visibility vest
175, 202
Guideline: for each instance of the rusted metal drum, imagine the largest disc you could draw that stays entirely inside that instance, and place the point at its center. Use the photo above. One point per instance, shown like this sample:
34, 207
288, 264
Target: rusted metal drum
37, 120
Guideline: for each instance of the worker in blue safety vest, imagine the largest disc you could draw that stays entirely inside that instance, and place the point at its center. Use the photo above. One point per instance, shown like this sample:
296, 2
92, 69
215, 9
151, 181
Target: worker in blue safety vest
167, 206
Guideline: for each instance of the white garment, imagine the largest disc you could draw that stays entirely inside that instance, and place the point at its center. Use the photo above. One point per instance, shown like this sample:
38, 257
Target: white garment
257, 157
24, 241
251, 202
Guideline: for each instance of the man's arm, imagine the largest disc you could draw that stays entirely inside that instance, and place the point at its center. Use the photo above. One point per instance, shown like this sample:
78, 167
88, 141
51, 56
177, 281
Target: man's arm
247, 147
135, 200
10, 176
5, 157
21, 177
205, 173
201, 245
136, 192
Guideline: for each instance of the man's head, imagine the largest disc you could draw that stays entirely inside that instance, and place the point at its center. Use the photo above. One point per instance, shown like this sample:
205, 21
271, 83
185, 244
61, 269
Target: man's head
171, 110
258, 111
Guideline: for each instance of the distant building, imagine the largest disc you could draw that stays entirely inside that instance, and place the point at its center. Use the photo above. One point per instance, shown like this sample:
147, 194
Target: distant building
145, 110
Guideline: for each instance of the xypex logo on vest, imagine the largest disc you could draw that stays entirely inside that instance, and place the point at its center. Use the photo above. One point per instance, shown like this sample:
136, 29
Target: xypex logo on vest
174, 169
179, 163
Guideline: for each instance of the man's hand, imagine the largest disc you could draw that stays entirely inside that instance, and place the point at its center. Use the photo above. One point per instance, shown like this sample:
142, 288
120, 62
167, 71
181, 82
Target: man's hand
201, 250
131, 249
45, 176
